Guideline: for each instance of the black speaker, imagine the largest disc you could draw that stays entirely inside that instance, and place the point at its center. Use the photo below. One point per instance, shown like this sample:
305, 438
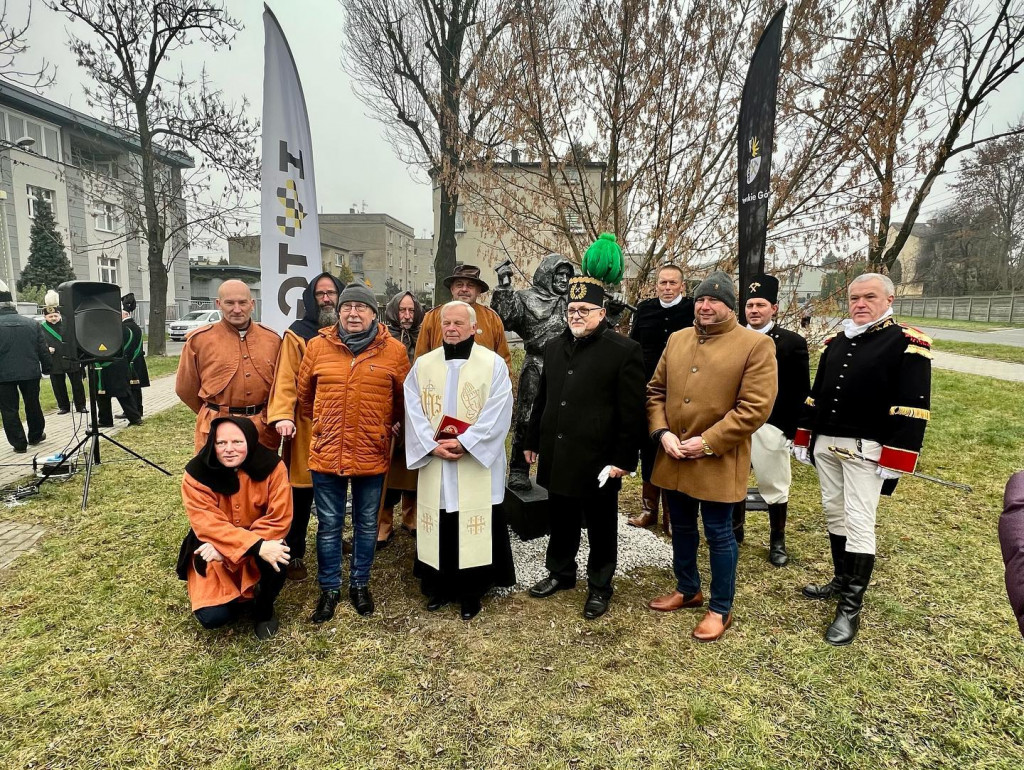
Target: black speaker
92, 319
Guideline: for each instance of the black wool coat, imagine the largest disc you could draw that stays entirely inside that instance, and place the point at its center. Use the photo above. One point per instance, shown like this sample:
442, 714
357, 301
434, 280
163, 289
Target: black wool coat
24, 354
589, 411
794, 379
134, 351
653, 324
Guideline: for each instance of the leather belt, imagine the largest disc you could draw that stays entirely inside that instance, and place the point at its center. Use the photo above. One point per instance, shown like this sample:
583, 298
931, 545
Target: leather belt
246, 410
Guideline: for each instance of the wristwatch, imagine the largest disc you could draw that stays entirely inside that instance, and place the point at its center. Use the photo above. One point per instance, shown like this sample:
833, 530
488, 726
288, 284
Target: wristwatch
707, 450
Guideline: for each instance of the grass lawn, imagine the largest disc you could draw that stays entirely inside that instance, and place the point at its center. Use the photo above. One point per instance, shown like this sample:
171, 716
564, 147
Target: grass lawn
945, 323
1010, 353
102, 665
158, 366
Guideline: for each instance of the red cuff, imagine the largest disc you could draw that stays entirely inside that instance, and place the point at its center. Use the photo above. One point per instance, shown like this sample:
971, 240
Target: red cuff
803, 438
898, 459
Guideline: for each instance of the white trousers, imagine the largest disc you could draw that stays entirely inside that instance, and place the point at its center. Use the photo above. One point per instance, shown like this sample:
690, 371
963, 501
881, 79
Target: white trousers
769, 454
849, 490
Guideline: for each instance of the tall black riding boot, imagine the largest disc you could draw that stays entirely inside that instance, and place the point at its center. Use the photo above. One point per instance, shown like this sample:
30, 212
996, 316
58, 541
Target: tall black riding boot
830, 589
851, 599
739, 519
777, 523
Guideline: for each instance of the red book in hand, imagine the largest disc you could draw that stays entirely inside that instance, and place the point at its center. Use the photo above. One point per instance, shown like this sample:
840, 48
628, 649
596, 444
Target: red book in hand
451, 427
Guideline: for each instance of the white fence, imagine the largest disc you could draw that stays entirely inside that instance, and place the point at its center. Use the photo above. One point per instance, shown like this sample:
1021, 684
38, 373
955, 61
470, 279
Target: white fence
998, 308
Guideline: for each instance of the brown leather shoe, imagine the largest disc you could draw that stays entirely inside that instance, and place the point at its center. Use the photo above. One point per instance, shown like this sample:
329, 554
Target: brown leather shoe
676, 601
711, 628
645, 519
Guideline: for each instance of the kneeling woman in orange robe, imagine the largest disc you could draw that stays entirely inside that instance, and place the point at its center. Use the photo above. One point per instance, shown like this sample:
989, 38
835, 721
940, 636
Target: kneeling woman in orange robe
239, 503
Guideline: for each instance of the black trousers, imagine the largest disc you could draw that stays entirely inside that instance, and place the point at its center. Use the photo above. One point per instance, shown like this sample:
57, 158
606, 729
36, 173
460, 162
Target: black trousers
59, 383
599, 512
137, 397
12, 419
106, 413
302, 503
262, 606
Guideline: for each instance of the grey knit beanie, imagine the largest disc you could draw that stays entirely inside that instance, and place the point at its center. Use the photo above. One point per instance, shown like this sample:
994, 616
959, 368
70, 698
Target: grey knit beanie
358, 292
719, 286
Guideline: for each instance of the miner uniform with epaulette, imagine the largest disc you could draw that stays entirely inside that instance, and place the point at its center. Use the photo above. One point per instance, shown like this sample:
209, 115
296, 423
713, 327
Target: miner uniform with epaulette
871, 397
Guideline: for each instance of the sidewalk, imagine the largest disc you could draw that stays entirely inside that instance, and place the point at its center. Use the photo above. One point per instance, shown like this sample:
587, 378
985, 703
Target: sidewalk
1000, 370
60, 429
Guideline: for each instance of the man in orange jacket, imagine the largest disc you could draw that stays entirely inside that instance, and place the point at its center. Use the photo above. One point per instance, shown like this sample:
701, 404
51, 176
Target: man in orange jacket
350, 385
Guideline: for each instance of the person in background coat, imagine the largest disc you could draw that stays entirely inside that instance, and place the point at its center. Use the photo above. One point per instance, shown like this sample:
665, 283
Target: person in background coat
403, 317
62, 368
770, 444
1011, 540
586, 427
135, 353
284, 413
23, 355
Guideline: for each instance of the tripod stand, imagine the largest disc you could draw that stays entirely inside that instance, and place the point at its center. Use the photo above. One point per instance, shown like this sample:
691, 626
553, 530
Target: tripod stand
92, 437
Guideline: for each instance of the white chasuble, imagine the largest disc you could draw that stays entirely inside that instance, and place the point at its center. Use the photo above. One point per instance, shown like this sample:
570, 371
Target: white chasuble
478, 391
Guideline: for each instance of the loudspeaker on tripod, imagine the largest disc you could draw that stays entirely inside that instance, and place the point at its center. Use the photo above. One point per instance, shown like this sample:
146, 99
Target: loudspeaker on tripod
94, 311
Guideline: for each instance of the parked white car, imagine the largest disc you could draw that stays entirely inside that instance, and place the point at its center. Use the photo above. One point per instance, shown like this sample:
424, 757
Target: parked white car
180, 328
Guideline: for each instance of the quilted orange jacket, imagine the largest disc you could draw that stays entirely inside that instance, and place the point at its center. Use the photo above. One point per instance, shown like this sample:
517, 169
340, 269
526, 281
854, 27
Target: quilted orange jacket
353, 402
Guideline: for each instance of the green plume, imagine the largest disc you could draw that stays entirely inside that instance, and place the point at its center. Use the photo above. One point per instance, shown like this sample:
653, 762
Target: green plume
603, 259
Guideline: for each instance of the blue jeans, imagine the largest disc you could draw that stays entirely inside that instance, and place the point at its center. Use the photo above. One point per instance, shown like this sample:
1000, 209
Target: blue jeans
722, 548
330, 492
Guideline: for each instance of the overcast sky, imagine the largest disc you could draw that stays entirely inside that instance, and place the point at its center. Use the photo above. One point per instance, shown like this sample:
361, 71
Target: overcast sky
353, 161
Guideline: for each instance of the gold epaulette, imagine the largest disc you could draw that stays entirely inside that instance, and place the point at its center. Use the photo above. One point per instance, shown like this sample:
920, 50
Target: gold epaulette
910, 411
916, 336
809, 401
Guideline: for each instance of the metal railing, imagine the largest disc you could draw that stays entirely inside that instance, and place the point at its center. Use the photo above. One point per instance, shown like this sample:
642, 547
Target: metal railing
996, 308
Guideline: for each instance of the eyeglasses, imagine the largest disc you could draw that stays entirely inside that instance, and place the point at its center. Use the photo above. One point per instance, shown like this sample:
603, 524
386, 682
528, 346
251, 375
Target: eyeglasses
359, 307
324, 294
582, 312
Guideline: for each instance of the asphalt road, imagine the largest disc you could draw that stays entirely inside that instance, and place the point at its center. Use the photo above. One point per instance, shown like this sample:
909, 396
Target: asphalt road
1013, 337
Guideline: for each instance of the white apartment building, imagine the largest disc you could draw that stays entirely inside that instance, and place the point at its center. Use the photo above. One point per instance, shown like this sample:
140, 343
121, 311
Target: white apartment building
79, 165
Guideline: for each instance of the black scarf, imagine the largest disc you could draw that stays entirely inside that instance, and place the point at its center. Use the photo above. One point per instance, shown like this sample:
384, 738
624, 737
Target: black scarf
308, 326
207, 469
458, 350
357, 342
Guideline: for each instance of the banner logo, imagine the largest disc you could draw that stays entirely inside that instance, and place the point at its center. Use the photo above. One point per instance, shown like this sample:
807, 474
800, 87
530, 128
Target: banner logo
288, 197
754, 163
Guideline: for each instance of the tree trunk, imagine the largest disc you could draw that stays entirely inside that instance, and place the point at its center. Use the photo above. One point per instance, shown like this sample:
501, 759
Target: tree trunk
444, 259
155, 239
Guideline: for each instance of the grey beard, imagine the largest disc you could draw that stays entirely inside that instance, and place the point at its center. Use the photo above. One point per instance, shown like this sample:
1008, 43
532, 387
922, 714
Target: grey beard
578, 333
328, 316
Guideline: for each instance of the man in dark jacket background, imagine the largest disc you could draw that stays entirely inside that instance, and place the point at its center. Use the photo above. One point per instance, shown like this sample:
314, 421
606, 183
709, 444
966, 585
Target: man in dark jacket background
654, 321
134, 352
24, 358
62, 368
585, 432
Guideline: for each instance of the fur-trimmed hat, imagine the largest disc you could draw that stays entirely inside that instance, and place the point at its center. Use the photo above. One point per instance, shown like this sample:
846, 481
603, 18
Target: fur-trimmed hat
51, 302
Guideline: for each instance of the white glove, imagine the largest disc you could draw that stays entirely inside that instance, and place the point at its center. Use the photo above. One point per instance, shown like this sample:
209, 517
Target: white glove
888, 474
802, 454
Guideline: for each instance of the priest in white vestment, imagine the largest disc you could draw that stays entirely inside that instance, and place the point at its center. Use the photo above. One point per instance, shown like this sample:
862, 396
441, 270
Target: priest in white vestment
461, 395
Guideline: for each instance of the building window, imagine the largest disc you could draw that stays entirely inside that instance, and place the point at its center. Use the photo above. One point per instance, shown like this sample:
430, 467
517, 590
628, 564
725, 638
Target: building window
572, 219
108, 269
36, 194
391, 259
415, 269
47, 140
105, 217
460, 220
339, 260
356, 262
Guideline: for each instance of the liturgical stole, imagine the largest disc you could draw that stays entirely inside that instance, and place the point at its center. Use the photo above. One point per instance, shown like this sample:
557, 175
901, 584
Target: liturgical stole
474, 501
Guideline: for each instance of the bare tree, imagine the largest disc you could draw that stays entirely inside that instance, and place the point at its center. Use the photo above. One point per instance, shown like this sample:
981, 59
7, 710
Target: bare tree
129, 53
433, 72
13, 47
936, 63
